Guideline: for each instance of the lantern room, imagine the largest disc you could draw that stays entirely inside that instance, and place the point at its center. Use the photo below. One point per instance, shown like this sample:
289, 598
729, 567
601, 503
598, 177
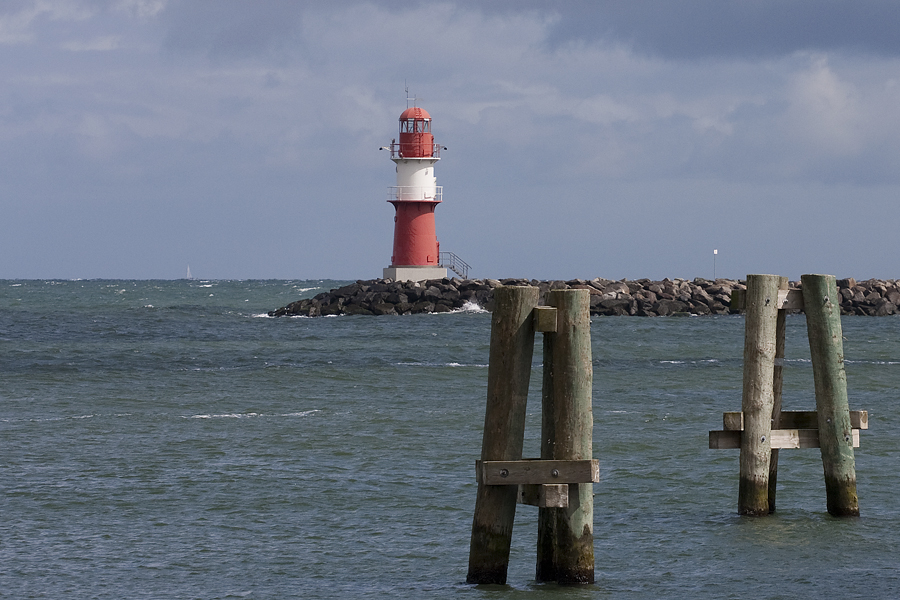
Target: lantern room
416, 140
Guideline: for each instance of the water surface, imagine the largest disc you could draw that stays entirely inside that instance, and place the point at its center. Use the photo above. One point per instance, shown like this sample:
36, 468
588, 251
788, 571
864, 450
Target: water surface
166, 439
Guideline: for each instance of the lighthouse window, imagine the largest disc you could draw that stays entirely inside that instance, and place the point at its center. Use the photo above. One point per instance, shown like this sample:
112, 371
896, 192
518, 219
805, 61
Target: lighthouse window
415, 126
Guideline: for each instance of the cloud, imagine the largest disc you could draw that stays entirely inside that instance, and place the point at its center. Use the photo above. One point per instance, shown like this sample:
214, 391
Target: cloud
825, 110
17, 19
97, 44
261, 121
144, 9
230, 29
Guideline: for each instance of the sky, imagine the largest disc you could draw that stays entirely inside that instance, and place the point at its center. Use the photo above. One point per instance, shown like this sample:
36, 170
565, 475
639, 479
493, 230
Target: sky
584, 138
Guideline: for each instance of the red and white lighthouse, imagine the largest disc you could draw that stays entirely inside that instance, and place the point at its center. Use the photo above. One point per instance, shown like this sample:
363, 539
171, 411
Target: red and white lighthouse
416, 254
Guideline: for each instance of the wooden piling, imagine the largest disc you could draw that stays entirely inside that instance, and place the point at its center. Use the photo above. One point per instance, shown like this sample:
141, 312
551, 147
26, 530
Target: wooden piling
757, 398
823, 324
565, 552
509, 372
777, 385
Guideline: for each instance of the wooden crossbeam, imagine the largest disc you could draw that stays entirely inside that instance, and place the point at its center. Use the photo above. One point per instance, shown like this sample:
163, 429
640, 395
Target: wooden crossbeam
795, 419
548, 495
536, 471
787, 300
545, 319
780, 438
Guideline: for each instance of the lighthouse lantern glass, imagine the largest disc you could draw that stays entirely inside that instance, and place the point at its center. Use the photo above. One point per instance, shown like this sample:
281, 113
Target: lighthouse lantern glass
415, 126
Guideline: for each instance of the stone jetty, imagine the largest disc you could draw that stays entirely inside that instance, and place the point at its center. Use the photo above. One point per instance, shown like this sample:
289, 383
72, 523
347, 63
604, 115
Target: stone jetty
640, 297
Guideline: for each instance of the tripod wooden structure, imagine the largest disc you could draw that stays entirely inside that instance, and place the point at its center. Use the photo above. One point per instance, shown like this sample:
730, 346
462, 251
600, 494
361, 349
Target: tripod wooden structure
761, 429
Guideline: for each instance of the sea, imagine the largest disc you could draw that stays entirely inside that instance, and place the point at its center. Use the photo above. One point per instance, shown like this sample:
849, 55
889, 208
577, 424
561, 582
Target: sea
168, 439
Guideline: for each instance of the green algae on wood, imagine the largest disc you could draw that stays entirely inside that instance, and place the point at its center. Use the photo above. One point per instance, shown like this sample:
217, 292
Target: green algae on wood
823, 321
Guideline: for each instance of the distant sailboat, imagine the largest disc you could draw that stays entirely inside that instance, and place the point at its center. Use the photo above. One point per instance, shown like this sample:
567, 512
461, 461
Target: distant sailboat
189, 273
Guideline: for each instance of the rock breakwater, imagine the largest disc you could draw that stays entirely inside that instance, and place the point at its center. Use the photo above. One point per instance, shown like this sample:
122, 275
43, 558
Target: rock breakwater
640, 297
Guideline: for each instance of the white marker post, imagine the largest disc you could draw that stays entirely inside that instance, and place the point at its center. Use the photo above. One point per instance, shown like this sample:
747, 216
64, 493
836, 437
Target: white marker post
714, 263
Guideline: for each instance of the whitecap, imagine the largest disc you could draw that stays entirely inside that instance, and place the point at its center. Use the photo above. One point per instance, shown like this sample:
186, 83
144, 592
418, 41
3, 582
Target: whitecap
250, 415
225, 416
871, 362
469, 307
304, 413
434, 364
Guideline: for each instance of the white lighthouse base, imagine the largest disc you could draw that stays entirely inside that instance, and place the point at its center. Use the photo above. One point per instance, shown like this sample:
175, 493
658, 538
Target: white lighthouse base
414, 273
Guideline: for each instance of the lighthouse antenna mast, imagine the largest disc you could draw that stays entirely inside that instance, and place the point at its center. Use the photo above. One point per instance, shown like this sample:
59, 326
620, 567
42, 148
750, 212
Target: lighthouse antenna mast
414, 98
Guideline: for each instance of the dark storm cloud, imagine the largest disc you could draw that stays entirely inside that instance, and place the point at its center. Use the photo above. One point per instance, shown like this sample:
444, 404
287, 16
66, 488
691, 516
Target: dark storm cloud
684, 29
724, 28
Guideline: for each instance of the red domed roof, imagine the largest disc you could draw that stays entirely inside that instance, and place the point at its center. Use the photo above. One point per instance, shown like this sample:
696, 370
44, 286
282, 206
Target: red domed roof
415, 113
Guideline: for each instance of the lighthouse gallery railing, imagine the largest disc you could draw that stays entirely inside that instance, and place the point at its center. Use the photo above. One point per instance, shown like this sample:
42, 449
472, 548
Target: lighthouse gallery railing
411, 150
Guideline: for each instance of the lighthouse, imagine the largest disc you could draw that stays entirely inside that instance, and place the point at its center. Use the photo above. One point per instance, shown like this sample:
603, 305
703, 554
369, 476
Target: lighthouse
416, 254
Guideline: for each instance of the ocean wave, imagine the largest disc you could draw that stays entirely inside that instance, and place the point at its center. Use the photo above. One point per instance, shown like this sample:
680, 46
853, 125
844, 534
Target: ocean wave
63, 418
692, 362
250, 415
434, 364
872, 362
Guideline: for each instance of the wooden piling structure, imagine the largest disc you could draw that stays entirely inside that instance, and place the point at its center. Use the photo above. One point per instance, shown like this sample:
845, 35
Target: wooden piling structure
757, 398
762, 427
509, 372
565, 552
560, 482
823, 318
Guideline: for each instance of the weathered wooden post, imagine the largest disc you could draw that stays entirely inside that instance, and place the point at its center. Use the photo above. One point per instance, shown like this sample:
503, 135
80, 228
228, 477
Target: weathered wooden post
509, 372
777, 387
565, 550
757, 399
823, 321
